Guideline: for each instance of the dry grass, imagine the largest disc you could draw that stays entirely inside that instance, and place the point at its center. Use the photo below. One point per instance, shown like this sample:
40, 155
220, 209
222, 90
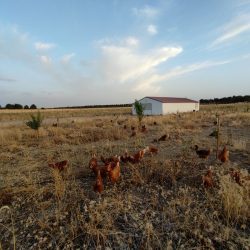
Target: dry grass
159, 203
235, 200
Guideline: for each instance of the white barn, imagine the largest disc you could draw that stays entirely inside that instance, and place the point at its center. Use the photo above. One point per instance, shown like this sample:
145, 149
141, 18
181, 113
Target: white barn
166, 105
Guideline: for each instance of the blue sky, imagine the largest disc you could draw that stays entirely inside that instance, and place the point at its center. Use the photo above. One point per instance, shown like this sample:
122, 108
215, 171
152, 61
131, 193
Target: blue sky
81, 52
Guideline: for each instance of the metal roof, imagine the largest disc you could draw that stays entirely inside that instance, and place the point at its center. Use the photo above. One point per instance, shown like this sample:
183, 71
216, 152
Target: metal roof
171, 99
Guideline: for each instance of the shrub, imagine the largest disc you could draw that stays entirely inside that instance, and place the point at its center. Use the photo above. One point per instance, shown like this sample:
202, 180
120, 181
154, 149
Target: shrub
139, 111
35, 122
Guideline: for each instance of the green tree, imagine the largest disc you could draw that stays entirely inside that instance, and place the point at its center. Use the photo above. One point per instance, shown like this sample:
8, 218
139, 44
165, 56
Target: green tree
139, 111
26, 107
35, 122
9, 106
33, 106
18, 106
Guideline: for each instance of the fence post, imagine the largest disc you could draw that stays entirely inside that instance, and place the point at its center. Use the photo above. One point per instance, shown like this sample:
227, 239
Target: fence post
218, 135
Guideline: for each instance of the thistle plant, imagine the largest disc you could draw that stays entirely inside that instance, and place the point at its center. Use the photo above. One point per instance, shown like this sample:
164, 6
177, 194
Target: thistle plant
139, 111
35, 122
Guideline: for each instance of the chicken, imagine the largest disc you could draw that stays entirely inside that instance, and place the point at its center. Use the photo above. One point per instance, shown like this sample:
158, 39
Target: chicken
98, 186
114, 171
224, 155
162, 138
133, 134
207, 179
202, 153
106, 161
143, 129
137, 156
125, 157
59, 165
235, 176
152, 150
93, 164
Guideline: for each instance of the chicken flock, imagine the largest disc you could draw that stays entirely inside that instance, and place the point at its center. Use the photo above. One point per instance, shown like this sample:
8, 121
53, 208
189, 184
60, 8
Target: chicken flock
110, 168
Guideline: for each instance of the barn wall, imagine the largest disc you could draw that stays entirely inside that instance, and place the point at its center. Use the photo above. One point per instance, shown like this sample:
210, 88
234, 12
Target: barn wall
179, 107
156, 107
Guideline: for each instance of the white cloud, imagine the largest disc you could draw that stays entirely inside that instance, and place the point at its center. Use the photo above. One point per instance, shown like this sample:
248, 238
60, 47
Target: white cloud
66, 58
45, 59
233, 29
132, 65
152, 29
193, 67
146, 11
131, 41
44, 46
151, 82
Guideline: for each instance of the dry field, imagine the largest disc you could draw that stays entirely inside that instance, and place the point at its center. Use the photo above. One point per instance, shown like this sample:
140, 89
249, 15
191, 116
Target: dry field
159, 203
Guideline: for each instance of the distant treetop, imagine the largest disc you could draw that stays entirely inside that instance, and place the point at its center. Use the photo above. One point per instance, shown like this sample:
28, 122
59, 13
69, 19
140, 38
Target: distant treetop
19, 106
33, 106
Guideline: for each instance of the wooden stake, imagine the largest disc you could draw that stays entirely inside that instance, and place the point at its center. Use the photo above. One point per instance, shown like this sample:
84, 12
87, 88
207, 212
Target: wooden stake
218, 136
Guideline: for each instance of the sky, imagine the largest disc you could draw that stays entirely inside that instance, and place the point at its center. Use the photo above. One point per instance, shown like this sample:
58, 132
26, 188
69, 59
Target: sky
85, 52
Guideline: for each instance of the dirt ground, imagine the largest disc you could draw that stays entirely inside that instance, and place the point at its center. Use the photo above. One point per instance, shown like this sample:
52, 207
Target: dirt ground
158, 203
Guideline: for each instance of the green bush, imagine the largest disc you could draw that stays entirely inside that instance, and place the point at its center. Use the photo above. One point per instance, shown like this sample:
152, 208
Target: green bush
35, 122
139, 111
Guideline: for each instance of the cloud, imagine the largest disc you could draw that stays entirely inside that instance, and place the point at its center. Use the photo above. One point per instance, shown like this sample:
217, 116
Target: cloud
132, 65
66, 58
131, 41
233, 29
44, 46
46, 59
152, 29
151, 82
146, 11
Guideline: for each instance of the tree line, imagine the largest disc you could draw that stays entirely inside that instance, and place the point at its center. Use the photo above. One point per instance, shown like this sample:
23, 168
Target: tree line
97, 106
33, 106
226, 100
19, 106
